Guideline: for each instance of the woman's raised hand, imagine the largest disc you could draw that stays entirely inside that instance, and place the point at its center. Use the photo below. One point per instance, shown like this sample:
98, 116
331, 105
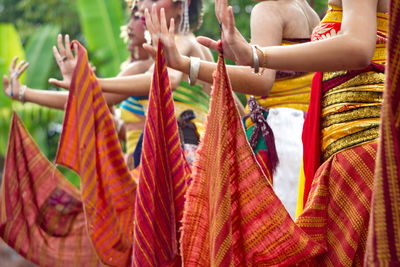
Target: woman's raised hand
66, 61
158, 28
11, 83
234, 44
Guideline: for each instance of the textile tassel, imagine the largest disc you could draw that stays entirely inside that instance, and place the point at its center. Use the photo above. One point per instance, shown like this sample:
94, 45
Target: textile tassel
269, 139
261, 127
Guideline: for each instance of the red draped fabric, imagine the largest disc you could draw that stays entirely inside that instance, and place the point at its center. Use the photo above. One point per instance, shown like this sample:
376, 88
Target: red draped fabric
311, 135
89, 145
41, 215
164, 175
383, 247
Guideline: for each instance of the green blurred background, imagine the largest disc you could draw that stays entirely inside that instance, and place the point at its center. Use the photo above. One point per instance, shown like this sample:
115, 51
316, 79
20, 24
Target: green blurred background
28, 29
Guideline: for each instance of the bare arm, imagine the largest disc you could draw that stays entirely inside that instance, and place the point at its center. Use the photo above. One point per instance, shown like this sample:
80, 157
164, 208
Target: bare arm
351, 49
139, 85
266, 30
58, 99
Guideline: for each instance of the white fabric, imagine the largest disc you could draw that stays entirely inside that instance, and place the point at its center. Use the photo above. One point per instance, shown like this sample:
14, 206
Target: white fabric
287, 125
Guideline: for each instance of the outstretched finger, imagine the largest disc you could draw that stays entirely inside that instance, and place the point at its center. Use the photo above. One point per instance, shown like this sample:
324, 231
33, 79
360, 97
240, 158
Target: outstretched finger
58, 83
68, 51
231, 21
220, 9
163, 20
172, 28
57, 55
23, 68
149, 22
18, 67
207, 42
75, 47
12, 65
154, 18
60, 45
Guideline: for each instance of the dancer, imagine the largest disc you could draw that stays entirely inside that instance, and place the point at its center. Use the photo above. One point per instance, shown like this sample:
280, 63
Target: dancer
341, 127
282, 95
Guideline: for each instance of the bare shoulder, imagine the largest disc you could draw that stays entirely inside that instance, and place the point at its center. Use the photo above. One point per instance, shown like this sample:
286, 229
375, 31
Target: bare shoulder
265, 8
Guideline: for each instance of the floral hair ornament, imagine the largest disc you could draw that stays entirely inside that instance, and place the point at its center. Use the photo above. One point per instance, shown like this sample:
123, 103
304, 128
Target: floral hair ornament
131, 4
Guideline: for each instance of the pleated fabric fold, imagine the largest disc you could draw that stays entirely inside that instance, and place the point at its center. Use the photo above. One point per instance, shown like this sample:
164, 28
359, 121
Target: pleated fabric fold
41, 215
89, 145
164, 175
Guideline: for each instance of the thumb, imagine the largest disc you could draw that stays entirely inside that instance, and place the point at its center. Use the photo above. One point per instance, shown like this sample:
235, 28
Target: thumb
150, 49
6, 82
207, 42
58, 83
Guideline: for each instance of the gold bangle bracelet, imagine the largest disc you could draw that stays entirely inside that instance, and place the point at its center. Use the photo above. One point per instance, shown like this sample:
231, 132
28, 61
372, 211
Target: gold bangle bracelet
262, 58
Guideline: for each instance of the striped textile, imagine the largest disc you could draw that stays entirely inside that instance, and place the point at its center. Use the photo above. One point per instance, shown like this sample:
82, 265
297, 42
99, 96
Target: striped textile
41, 216
89, 145
383, 247
164, 175
232, 216
338, 208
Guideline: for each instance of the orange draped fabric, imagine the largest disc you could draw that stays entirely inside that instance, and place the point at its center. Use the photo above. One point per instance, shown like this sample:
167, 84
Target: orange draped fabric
383, 247
89, 145
232, 215
164, 175
41, 215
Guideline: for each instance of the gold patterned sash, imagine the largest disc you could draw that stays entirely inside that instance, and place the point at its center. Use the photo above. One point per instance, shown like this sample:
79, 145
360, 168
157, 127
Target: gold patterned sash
351, 109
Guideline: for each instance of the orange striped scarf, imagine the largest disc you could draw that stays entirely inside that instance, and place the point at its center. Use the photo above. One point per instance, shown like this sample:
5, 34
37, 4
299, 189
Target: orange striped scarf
41, 216
232, 215
383, 247
164, 174
89, 145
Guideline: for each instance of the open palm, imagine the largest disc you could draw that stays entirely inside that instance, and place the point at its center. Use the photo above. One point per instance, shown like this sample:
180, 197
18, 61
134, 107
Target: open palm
158, 28
234, 44
11, 83
66, 61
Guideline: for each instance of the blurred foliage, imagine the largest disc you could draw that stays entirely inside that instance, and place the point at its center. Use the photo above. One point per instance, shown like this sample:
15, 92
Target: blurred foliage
101, 21
38, 52
28, 15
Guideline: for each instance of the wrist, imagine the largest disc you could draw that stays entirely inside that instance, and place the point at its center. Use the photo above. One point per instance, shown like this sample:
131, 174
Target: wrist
249, 56
194, 70
21, 93
184, 65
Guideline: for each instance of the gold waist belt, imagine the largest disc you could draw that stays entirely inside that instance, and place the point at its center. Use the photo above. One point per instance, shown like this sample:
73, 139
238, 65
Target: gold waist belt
350, 112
